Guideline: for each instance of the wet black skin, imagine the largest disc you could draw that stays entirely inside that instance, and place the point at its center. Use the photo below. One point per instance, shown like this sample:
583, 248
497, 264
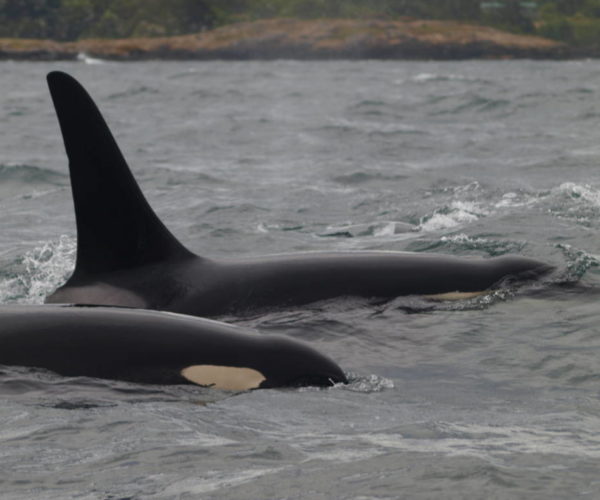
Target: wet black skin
204, 287
127, 257
151, 347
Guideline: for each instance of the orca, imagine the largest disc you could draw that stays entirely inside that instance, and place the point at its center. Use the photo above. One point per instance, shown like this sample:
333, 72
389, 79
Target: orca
127, 257
156, 348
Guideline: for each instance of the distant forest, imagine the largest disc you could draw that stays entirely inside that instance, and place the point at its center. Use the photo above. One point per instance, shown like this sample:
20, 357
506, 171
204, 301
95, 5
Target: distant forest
576, 22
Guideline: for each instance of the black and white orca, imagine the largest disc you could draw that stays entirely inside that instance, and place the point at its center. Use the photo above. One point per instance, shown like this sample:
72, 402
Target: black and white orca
156, 348
127, 257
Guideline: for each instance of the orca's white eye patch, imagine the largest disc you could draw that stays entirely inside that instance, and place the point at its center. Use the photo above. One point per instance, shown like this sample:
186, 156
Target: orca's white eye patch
227, 378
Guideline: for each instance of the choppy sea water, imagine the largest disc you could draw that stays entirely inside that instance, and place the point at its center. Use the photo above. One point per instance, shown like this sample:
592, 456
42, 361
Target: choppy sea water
493, 397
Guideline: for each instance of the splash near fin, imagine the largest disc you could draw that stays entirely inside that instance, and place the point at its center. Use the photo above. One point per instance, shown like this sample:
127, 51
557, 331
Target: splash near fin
116, 227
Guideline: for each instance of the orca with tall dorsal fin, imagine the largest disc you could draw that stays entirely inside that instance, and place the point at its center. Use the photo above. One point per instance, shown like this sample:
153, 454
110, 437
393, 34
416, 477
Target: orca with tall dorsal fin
157, 348
127, 257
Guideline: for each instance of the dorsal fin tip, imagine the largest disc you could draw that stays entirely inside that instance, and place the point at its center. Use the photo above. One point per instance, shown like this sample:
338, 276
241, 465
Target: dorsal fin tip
55, 76
116, 227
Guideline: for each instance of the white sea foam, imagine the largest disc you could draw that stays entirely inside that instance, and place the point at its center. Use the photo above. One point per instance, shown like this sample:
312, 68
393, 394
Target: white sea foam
432, 77
84, 58
515, 200
44, 269
368, 384
385, 229
459, 212
583, 193
463, 239
580, 191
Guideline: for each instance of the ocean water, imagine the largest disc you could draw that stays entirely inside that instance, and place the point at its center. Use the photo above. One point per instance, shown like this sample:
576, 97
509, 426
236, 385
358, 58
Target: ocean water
493, 397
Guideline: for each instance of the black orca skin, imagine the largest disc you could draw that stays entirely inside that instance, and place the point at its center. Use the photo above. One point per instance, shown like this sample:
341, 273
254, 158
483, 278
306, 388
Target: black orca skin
151, 347
127, 257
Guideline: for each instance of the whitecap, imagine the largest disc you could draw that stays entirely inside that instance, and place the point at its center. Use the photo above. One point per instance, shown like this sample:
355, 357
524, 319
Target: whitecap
368, 383
84, 58
459, 212
44, 269
578, 191
463, 239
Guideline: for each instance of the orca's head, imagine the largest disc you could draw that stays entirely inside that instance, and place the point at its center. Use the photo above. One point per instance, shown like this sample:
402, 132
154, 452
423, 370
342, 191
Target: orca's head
290, 363
274, 362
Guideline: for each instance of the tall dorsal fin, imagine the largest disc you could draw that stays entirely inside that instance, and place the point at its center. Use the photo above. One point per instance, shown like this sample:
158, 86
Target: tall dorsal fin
116, 227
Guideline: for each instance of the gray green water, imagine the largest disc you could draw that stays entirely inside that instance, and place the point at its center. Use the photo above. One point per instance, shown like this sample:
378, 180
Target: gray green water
494, 397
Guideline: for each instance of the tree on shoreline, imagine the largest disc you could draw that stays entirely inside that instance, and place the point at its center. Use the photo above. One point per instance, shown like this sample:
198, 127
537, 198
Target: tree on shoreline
67, 20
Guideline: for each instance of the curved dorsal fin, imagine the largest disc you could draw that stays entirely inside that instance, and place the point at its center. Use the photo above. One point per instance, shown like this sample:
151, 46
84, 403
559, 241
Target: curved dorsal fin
116, 227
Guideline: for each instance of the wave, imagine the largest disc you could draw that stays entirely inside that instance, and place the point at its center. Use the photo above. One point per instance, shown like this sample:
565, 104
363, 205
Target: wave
141, 89
367, 383
419, 304
579, 203
364, 177
449, 77
583, 192
515, 200
578, 262
30, 174
372, 128
492, 247
492, 441
569, 200
378, 229
456, 213
84, 58
38, 272
476, 103
453, 212
50, 390
173, 175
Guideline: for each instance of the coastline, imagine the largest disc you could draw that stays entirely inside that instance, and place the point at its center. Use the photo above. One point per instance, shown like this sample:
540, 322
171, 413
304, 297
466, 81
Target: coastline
309, 40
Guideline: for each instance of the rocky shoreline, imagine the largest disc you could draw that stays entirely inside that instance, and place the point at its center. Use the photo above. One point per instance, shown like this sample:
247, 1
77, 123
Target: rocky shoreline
300, 39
